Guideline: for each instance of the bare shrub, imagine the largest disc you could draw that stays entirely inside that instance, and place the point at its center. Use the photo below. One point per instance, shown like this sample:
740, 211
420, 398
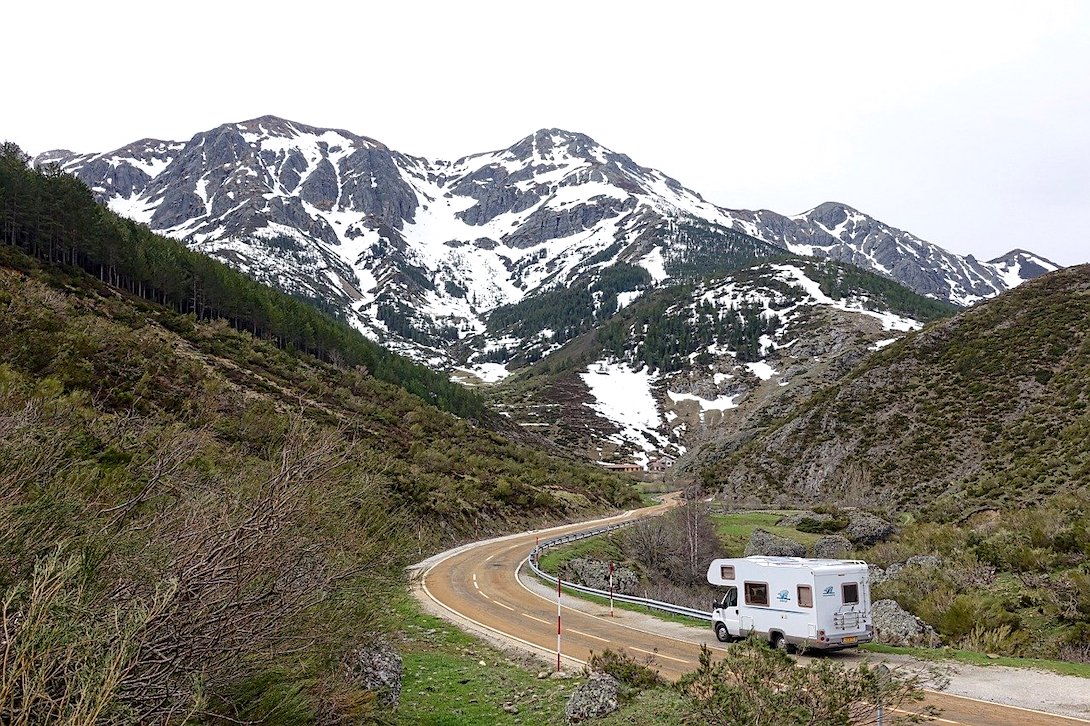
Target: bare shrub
1003, 639
60, 659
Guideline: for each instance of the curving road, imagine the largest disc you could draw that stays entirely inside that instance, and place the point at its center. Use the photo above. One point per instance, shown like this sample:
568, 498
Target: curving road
479, 587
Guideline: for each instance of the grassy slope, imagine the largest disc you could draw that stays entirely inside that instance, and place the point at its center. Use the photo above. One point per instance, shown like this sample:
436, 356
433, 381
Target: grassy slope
135, 440
985, 410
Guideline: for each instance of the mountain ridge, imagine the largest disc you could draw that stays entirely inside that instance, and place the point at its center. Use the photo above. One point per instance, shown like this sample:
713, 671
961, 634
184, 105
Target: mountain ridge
417, 252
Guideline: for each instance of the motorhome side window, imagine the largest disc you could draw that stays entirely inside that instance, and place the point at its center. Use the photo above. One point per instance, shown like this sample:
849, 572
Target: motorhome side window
726, 572
851, 593
756, 593
806, 596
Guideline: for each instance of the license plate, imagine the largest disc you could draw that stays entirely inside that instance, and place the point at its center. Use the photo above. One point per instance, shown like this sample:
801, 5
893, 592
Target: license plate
849, 639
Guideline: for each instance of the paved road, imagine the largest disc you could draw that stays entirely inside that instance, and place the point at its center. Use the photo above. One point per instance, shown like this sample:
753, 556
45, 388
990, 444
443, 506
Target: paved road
479, 587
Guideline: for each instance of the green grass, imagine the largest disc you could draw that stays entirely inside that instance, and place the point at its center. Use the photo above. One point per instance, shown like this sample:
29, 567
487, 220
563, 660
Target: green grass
657, 487
734, 530
1064, 668
444, 681
602, 547
660, 706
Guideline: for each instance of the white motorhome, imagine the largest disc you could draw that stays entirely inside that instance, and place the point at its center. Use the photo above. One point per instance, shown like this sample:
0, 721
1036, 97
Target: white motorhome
794, 602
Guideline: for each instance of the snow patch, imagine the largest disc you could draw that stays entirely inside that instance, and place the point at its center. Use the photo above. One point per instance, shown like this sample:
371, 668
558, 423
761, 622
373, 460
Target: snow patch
487, 372
762, 370
718, 404
623, 396
655, 265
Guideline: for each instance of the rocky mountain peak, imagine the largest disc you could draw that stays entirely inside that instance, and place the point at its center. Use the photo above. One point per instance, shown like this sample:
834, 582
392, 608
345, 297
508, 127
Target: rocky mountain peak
834, 217
1020, 264
419, 251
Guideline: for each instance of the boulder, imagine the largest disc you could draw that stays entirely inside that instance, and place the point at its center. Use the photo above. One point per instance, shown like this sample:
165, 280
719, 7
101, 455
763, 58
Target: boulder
878, 575
794, 520
832, 547
595, 573
925, 561
599, 696
763, 542
376, 667
896, 626
866, 529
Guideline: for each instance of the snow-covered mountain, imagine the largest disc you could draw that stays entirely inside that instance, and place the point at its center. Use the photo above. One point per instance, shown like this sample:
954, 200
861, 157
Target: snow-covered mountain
712, 361
838, 232
417, 253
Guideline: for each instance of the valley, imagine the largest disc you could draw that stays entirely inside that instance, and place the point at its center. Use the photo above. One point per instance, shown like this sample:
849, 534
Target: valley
336, 359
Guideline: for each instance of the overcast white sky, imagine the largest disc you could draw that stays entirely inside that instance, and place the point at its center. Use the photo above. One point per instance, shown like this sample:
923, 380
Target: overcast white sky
966, 123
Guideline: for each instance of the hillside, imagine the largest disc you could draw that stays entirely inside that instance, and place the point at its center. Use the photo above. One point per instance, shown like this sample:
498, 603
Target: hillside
196, 519
985, 410
423, 254
709, 360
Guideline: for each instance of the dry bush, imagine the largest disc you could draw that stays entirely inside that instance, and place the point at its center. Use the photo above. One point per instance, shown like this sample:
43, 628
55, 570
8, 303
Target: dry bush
1003, 639
61, 659
183, 581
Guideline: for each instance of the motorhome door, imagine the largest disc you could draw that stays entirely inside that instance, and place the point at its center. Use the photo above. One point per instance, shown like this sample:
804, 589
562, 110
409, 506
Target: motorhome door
728, 606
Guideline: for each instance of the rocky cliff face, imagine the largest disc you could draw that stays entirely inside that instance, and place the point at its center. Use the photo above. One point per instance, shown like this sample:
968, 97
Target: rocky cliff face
418, 252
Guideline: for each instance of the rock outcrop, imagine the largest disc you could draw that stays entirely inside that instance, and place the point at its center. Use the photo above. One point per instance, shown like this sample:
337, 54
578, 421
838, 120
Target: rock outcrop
599, 696
595, 573
763, 542
832, 547
866, 529
894, 625
376, 667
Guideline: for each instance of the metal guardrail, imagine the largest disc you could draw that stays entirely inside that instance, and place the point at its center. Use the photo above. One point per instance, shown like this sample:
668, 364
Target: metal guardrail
646, 602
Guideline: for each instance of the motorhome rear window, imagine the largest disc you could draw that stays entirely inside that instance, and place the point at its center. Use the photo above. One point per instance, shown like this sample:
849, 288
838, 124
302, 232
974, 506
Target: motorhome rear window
806, 596
756, 593
726, 572
851, 593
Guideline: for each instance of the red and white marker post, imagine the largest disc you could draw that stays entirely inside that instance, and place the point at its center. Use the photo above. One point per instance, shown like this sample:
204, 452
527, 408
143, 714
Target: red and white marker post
558, 621
611, 588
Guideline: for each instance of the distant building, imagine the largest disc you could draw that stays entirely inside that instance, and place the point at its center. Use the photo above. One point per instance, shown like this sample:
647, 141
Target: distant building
661, 464
627, 468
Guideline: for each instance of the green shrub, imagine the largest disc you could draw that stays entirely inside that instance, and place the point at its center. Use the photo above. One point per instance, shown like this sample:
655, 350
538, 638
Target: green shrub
626, 669
754, 684
970, 611
1004, 640
815, 526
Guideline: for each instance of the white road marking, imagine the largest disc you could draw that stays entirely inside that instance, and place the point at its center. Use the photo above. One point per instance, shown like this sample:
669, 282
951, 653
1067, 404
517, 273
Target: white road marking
588, 635
502, 605
658, 655
528, 615
931, 718
1006, 705
458, 616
